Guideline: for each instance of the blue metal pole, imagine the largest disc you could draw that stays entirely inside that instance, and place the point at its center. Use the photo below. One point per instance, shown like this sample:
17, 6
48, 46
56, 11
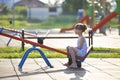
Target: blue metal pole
45, 58
10, 39
24, 58
1, 29
26, 54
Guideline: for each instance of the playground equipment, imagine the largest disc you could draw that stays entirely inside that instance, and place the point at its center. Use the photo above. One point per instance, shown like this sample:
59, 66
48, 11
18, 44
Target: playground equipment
78, 61
79, 21
11, 39
30, 50
2, 32
108, 17
41, 39
100, 24
17, 33
103, 21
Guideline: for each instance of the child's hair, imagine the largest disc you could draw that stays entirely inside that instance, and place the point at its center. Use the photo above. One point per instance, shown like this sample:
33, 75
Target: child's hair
80, 26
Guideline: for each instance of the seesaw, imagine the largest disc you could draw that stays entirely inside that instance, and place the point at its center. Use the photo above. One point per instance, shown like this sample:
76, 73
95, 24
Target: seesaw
40, 39
100, 24
17, 33
34, 48
33, 43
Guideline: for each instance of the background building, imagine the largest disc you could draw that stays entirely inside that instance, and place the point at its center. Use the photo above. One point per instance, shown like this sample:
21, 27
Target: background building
39, 10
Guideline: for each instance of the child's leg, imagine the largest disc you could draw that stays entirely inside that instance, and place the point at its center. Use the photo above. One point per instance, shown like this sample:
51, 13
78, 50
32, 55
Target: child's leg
69, 58
73, 54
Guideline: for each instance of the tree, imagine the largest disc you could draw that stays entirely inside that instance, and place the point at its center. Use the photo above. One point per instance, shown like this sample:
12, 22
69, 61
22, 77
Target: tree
72, 6
4, 9
50, 4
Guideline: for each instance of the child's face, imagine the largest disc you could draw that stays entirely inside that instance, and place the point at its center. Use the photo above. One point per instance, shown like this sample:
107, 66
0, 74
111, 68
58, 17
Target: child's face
77, 31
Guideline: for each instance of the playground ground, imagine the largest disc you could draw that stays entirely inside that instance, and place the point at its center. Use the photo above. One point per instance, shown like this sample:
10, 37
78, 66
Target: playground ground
36, 69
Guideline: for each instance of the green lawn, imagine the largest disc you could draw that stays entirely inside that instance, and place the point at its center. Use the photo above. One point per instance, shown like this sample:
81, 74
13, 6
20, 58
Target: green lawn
52, 22
62, 21
12, 52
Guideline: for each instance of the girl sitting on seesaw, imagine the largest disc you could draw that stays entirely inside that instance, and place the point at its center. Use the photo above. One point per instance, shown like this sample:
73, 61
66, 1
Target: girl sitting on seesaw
81, 48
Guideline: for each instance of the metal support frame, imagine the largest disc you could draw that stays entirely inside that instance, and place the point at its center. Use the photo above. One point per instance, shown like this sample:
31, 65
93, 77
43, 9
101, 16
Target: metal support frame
41, 39
22, 44
30, 50
11, 39
1, 30
90, 38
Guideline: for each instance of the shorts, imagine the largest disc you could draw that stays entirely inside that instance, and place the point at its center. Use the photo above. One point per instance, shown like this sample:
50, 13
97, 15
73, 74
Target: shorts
81, 53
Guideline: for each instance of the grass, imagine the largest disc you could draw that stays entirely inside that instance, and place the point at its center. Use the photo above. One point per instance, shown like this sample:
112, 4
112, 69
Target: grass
52, 22
11, 52
62, 21
105, 53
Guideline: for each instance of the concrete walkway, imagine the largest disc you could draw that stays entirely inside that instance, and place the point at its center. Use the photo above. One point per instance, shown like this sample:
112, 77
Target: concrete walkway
36, 69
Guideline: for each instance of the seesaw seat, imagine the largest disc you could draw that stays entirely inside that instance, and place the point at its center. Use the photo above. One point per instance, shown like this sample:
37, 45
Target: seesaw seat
79, 59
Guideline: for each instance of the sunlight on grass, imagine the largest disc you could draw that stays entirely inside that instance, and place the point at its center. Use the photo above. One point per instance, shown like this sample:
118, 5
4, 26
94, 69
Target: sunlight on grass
12, 52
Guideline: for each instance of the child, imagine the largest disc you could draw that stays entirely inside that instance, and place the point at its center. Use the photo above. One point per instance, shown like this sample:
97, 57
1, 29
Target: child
81, 48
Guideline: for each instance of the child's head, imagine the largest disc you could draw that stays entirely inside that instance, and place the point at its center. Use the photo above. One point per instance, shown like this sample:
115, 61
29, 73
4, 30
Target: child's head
80, 27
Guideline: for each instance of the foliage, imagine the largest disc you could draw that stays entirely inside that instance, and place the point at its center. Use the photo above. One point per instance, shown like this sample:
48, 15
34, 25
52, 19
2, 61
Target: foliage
21, 11
72, 6
59, 22
4, 10
51, 4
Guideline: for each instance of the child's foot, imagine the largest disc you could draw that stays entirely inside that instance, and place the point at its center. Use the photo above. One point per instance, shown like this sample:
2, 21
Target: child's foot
66, 64
73, 65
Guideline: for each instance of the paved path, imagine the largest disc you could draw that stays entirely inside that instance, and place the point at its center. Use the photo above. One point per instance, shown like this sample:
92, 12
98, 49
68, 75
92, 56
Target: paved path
36, 69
